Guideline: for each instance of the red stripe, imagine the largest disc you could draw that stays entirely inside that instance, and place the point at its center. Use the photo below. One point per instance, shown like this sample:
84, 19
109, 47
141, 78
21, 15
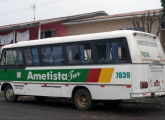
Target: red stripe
93, 75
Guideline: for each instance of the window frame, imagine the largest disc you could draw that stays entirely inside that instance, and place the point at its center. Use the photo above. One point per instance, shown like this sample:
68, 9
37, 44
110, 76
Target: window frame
110, 40
5, 66
31, 47
53, 31
78, 44
63, 54
67, 59
94, 55
50, 45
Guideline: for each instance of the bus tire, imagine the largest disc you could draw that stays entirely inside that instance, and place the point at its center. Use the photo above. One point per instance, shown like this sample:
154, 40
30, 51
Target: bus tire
83, 99
9, 94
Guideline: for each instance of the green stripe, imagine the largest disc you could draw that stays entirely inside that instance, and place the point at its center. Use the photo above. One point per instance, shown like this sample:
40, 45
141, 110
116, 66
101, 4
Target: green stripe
60, 75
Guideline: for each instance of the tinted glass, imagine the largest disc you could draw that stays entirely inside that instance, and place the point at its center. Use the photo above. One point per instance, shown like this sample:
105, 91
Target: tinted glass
58, 55
73, 54
46, 55
112, 51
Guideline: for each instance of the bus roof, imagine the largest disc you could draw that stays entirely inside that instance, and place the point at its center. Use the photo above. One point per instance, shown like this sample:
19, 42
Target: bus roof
85, 37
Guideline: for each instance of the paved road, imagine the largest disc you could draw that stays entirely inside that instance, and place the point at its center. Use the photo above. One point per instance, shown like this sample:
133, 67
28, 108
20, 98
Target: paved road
29, 109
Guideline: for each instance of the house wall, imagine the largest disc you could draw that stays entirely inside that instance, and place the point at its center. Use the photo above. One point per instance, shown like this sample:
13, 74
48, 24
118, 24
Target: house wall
111, 25
4, 33
103, 26
61, 30
33, 31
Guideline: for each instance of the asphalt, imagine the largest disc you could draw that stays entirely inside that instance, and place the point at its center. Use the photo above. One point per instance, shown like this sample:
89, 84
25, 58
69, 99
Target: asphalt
155, 100
29, 109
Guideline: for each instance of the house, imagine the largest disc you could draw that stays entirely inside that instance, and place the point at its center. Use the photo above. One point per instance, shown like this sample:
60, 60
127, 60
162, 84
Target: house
94, 22
40, 29
115, 22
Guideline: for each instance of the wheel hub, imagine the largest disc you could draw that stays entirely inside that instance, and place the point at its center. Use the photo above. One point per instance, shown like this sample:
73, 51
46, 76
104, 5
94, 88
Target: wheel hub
9, 93
82, 100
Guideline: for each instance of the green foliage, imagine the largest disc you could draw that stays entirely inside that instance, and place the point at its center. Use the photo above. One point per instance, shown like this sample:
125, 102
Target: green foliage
163, 5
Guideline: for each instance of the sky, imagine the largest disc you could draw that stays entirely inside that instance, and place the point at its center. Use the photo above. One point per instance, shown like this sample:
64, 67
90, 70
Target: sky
20, 11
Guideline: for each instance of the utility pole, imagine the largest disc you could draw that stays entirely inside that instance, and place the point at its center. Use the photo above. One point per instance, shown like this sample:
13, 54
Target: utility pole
34, 10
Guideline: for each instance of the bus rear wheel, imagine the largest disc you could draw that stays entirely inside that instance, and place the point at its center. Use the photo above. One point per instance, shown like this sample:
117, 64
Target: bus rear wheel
83, 100
9, 94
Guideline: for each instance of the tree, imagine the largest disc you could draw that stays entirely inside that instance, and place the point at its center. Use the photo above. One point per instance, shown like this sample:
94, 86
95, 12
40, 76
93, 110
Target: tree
147, 20
163, 14
163, 5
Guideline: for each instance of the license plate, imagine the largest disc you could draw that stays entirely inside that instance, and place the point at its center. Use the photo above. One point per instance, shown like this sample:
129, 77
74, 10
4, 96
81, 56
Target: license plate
20, 87
157, 83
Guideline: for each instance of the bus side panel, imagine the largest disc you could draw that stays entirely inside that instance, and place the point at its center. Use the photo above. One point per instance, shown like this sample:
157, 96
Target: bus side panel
122, 74
98, 91
110, 92
38, 89
139, 73
101, 92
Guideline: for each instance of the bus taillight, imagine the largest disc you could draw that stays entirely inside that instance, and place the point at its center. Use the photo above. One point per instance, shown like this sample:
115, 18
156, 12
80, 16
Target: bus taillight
154, 37
135, 34
143, 84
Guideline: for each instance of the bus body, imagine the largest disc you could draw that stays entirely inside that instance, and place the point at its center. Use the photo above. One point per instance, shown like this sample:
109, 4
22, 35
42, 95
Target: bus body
103, 66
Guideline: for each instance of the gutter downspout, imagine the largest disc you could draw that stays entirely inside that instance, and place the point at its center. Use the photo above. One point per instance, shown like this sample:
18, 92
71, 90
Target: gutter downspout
14, 41
39, 31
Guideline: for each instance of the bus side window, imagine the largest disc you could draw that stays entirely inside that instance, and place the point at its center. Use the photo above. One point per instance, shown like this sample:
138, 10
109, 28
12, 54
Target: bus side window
9, 57
12, 57
46, 55
73, 54
31, 56
28, 57
3, 58
119, 53
104, 52
58, 55
122, 52
18, 59
85, 53
115, 50
35, 56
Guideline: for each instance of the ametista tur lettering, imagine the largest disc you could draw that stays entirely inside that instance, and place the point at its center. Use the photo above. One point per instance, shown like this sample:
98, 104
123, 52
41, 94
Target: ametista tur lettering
53, 76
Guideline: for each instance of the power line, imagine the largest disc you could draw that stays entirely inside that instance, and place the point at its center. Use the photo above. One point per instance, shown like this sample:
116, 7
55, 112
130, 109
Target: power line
48, 3
15, 11
4, 0
23, 9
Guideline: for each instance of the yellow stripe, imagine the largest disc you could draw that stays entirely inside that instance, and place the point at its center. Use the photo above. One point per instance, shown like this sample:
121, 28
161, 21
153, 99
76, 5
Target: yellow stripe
106, 75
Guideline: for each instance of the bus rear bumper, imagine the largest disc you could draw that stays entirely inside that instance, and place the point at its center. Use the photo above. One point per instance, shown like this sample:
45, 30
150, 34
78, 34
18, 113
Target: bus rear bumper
148, 94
